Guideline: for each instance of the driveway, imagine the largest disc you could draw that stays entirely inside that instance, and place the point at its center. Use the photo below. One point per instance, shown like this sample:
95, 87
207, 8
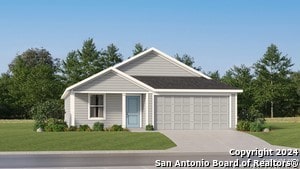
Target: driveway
213, 140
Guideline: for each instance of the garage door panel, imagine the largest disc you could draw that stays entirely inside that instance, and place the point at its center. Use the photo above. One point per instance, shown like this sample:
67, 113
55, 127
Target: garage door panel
197, 100
186, 126
197, 118
167, 117
223, 108
215, 125
224, 100
177, 108
186, 100
206, 100
159, 118
215, 117
177, 126
160, 100
192, 112
177, 117
215, 109
206, 117
223, 117
206, 126
186, 118
168, 109
160, 125
197, 109
160, 108
186, 108
167, 100
168, 126
223, 125
215, 100
205, 109
177, 100
197, 126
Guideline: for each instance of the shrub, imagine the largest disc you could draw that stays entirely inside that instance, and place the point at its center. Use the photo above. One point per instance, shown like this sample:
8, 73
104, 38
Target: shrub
250, 114
98, 126
55, 125
243, 125
257, 126
149, 127
84, 127
45, 110
72, 128
115, 127
39, 124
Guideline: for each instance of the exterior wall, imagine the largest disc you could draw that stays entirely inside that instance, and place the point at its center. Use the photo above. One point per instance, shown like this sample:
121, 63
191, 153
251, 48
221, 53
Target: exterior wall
109, 82
143, 108
150, 108
67, 110
153, 65
233, 111
113, 110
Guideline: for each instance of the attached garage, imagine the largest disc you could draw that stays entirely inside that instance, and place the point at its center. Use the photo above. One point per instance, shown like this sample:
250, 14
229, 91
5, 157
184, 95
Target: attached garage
192, 112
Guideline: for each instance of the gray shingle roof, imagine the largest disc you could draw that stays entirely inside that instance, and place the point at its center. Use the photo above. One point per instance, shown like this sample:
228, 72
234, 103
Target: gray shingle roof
171, 82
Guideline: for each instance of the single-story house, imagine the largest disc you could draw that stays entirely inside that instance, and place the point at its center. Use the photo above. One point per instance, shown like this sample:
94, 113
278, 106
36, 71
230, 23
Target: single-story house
152, 88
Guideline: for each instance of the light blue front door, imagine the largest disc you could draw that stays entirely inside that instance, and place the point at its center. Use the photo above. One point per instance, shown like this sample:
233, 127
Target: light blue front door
133, 111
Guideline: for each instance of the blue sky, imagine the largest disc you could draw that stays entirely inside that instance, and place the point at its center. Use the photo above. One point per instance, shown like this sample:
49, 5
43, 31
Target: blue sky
218, 34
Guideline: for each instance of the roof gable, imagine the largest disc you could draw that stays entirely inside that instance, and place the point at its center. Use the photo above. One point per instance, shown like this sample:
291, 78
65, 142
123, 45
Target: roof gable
167, 58
102, 73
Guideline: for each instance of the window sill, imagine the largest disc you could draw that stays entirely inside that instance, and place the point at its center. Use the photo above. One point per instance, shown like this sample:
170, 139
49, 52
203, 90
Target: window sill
96, 118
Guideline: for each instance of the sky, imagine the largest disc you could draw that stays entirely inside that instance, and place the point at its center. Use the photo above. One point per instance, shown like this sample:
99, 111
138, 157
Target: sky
218, 34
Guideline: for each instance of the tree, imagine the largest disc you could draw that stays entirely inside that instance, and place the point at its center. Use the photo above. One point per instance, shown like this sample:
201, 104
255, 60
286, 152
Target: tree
34, 80
242, 78
272, 76
292, 102
138, 48
214, 75
83, 63
6, 108
111, 56
187, 59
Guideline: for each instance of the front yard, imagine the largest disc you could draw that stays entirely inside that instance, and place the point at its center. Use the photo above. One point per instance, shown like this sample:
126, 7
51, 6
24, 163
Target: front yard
17, 135
284, 132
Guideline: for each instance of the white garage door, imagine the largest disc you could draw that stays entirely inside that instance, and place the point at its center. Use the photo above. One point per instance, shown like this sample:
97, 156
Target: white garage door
192, 112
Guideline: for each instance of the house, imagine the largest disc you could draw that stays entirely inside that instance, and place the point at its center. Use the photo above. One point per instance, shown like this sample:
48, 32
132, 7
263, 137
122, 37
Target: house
152, 88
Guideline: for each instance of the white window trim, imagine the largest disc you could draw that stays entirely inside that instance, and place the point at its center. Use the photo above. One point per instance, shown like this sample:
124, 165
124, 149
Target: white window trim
146, 109
124, 110
104, 107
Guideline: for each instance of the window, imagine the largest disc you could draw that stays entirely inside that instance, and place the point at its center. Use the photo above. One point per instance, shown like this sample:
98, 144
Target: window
96, 106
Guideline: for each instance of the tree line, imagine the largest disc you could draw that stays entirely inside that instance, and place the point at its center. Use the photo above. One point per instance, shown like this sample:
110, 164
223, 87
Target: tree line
36, 80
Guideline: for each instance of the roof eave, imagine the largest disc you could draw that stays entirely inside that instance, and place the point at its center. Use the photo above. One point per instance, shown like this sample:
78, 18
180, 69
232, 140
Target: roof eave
201, 90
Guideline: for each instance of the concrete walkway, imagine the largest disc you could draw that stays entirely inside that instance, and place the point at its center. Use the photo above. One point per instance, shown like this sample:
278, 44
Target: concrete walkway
214, 140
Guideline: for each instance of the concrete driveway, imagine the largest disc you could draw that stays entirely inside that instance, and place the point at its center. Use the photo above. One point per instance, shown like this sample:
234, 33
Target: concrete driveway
213, 140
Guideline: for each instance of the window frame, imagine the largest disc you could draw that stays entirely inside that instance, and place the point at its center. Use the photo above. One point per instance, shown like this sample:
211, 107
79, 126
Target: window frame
89, 107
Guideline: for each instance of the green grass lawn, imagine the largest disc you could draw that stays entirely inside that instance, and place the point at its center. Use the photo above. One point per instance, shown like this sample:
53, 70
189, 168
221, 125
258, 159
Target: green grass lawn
285, 133
18, 135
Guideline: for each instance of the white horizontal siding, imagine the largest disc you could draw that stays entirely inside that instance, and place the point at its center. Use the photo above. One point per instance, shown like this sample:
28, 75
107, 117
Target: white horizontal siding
233, 111
113, 110
109, 82
153, 65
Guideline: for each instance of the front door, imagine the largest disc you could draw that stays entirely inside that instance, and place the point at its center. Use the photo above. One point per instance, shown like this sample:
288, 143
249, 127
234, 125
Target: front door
133, 111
